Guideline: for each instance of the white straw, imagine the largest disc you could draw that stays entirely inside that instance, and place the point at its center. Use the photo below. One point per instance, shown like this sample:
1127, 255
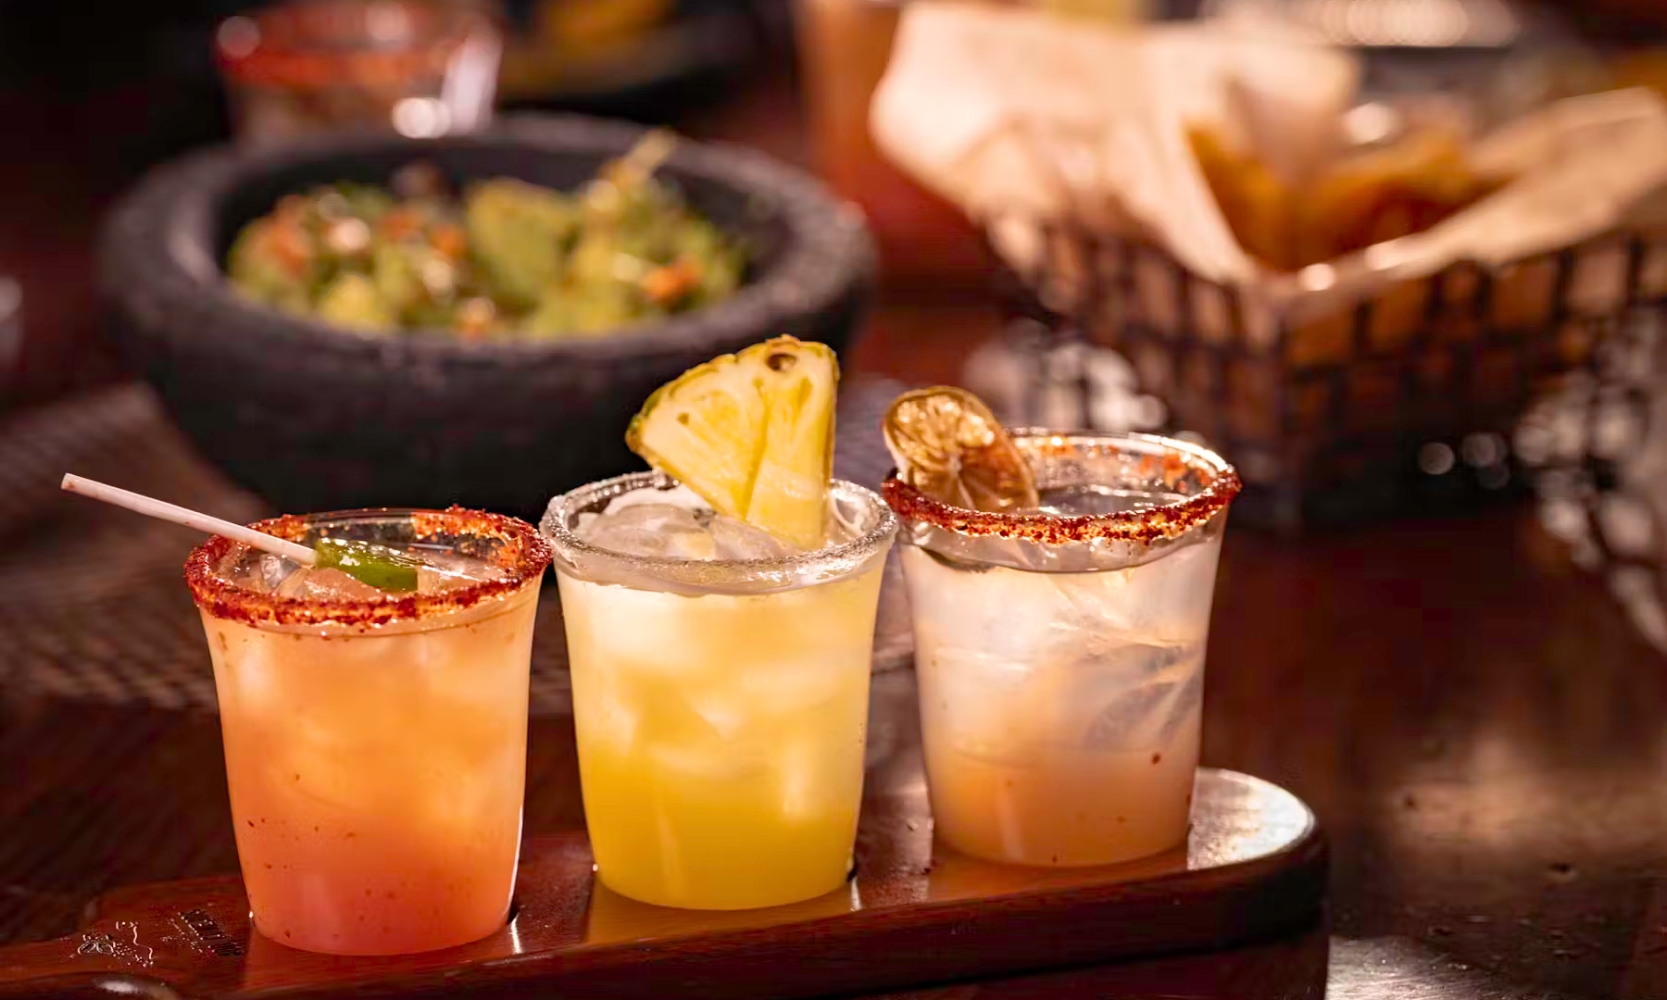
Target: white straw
142, 504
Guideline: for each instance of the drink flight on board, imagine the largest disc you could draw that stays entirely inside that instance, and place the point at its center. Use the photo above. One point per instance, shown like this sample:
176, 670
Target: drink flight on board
372, 667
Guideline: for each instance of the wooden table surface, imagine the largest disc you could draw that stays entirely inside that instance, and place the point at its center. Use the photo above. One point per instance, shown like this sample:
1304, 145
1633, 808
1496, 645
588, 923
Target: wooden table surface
1474, 720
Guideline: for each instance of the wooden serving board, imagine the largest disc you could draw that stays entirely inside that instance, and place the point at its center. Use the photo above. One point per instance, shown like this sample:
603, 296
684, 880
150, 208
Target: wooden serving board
914, 913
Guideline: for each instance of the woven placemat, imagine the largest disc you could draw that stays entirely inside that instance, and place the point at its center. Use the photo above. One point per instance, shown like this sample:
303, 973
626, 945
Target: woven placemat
93, 604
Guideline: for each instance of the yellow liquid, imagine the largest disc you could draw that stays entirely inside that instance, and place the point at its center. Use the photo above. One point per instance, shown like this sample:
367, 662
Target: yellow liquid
721, 737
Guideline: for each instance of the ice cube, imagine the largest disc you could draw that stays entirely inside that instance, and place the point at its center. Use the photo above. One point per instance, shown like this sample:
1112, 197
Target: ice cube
613, 722
608, 708
637, 631
675, 524
270, 571
700, 732
1004, 614
720, 708
254, 681
1129, 722
443, 571
1093, 601
313, 584
1119, 664
457, 808
1093, 500
1188, 701
652, 529
648, 517
703, 761
739, 540
956, 612
846, 520
806, 787
448, 667
649, 496
1135, 694
317, 763
797, 684
986, 704
691, 545
1169, 598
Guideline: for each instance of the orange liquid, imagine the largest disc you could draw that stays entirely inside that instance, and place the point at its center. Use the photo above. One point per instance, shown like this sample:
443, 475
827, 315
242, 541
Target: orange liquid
376, 779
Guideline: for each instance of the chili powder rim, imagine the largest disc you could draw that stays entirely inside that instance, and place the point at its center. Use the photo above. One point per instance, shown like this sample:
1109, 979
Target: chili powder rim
1158, 455
525, 557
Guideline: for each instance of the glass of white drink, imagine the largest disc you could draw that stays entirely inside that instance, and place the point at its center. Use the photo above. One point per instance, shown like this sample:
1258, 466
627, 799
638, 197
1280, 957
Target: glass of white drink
1060, 641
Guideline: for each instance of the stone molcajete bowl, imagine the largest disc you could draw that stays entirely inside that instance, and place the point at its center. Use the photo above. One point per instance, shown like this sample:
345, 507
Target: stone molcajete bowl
313, 417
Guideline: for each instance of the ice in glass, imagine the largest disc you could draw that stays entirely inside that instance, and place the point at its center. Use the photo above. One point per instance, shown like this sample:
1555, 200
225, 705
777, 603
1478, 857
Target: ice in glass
720, 691
720, 621
375, 741
1060, 648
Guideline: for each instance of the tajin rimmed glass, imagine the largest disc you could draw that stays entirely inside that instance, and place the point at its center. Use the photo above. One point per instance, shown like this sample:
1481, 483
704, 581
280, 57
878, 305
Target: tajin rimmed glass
376, 747
419, 68
1186, 487
511, 546
1060, 652
721, 706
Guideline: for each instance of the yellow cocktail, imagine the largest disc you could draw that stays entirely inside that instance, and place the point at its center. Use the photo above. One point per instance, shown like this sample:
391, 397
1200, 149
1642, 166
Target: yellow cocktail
720, 617
720, 691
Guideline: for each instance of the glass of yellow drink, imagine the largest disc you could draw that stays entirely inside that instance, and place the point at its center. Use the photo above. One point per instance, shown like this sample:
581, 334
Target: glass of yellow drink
720, 690
1060, 648
375, 742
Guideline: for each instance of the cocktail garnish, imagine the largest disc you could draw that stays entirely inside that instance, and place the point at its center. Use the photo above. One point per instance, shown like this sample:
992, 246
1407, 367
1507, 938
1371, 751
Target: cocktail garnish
375, 565
752, 434
948, 445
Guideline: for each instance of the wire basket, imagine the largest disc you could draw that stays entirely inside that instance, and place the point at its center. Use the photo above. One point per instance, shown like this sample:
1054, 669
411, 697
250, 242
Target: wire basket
1598, 451
1403, 400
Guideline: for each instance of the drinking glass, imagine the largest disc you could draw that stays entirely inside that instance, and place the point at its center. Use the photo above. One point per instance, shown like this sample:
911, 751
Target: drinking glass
421, 69
1060, 653
720, 706
376, 745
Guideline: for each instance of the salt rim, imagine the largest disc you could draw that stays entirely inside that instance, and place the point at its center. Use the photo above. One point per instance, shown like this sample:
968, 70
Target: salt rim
1170, 521
673, 574
524, 557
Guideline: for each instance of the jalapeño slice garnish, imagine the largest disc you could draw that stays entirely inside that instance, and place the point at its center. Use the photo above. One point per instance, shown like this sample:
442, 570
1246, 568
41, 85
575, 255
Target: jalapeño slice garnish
375, 565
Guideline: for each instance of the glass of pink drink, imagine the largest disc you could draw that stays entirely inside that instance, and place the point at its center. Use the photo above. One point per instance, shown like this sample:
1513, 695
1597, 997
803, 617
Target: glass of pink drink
376, 742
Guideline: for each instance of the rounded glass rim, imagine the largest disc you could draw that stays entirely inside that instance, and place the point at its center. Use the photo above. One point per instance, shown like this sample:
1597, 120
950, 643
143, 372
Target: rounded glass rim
287, 49
223, 598
567, 544
1167, 521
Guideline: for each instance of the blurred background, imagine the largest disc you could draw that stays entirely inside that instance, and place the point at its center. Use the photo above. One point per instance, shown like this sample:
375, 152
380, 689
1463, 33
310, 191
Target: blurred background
91, 97
1325, 426
94, 98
